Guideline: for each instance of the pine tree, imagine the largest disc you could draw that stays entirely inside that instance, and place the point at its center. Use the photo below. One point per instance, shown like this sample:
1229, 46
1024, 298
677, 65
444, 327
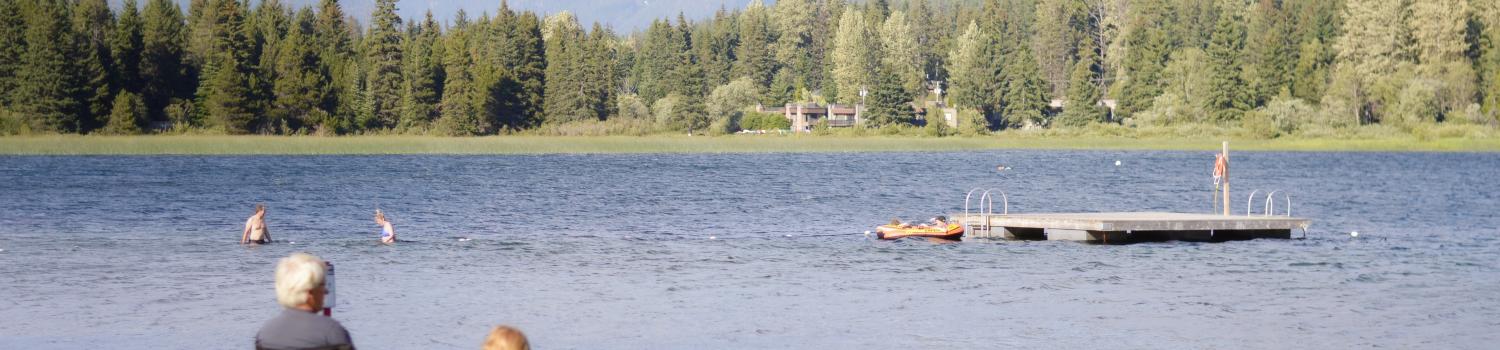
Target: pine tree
126, 44
658, 58
336, 40
688, 75
598, 76
1489, 58
564, 93
855, 57
900, 55
1150, 45
12, 46
225, 90
424, 74
93, 24
783, 89
126, 112
383, 58
164, 75
964, 69
516, 100
715, 47
1061, 25
929, 37
888, 102
459, 117
755, 53
1083, 92
1439, 28
530, 68
46, 91
1371, 48
301, 88
266, 27
797, 46
1025, 92
1272, 51
1228, 98
1310, 76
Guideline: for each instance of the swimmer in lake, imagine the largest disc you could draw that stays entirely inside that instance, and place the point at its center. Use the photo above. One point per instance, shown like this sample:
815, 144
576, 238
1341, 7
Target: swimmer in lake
255, 227
387, 232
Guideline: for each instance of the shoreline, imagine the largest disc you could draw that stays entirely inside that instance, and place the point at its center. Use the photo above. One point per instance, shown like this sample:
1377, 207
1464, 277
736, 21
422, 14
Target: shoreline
64, 145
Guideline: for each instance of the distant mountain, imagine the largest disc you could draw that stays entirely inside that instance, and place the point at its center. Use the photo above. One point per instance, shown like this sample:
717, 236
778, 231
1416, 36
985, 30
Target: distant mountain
622, 15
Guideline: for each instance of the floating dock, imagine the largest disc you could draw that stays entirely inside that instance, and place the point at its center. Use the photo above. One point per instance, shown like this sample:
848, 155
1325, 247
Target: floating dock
1128, 227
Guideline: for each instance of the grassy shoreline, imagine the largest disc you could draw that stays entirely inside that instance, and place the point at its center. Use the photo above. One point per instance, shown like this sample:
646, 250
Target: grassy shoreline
352, 145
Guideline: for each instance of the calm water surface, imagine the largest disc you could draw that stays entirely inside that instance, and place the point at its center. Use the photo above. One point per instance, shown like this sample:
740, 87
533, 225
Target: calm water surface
615, 251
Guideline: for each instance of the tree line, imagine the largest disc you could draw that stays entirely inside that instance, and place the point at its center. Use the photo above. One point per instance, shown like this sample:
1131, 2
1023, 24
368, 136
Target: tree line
79, 66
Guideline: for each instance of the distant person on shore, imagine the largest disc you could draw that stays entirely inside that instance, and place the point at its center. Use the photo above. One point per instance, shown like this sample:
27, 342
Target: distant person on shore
300, 290
387, 232
506, 338
255, 227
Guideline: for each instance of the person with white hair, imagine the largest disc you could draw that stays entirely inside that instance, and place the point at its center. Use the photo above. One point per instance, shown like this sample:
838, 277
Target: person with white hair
300, 290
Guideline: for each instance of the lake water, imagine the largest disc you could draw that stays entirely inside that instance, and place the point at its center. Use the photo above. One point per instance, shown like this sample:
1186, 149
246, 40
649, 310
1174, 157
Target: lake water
746, 251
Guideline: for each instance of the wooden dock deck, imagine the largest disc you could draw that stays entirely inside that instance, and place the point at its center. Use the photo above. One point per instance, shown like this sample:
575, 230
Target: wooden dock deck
1128, 227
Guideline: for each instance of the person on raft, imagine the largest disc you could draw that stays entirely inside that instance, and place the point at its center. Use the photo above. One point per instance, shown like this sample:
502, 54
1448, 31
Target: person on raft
387, 232
937, 222
255, 227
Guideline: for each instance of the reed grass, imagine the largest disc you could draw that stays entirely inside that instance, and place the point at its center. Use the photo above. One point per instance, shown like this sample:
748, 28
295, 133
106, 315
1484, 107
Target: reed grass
313, 145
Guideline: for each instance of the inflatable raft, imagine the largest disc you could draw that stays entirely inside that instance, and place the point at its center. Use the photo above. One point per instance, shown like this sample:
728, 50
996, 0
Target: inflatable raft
953, 232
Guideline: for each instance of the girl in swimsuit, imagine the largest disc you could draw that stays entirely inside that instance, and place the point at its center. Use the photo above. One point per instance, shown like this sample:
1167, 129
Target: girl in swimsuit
387, 232
255, 227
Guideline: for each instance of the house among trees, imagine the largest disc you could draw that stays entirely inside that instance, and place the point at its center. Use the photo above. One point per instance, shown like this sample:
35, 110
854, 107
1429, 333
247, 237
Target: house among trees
804, 115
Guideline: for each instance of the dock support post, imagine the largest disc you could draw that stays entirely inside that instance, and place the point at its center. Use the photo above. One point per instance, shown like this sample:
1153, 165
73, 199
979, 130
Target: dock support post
1226, 178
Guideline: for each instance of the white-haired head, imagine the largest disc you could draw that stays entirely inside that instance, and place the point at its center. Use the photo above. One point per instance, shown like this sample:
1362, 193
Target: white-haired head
296, 276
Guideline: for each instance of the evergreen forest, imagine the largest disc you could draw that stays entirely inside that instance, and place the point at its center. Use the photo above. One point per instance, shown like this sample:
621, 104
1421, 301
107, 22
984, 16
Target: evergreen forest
1269, 67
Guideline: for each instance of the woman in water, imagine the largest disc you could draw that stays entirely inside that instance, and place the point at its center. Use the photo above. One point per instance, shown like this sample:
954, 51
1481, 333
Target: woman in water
255, 228
387, 233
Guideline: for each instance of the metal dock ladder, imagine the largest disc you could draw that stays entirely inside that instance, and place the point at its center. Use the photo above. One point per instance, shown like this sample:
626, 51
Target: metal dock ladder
986, 204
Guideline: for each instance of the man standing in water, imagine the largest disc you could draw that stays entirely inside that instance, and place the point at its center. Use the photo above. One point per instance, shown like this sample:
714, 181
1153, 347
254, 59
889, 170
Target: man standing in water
255, 227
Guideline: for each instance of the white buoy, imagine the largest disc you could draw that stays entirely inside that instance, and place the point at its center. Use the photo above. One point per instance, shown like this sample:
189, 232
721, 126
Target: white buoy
867, 233
788, 235
712, 237
1354, 234
1117, 162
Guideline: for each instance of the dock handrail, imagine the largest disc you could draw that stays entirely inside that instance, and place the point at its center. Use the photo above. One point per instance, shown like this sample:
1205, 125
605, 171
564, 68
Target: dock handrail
1005, 200
967, 197
1249, 201
1270, 206
986, 206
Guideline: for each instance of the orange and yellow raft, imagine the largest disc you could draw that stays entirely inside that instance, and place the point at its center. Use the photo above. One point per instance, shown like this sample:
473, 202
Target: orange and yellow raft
953, 232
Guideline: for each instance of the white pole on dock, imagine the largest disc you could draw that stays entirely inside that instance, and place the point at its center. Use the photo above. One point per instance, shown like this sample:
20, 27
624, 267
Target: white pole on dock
1226, 178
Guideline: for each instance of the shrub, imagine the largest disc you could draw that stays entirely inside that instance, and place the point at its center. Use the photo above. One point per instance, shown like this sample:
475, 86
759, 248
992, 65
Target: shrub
125, 116
11, 123
971, 122
764, 121
1417, 104
630, 106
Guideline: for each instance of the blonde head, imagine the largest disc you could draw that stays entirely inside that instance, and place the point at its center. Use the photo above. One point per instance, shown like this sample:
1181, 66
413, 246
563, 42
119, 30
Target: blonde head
260, 208
379, 216
506, 338
296, 275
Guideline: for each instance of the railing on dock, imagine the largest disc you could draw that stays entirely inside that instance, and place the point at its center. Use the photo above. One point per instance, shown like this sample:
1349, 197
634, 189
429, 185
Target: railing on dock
1269, 208
986, 208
